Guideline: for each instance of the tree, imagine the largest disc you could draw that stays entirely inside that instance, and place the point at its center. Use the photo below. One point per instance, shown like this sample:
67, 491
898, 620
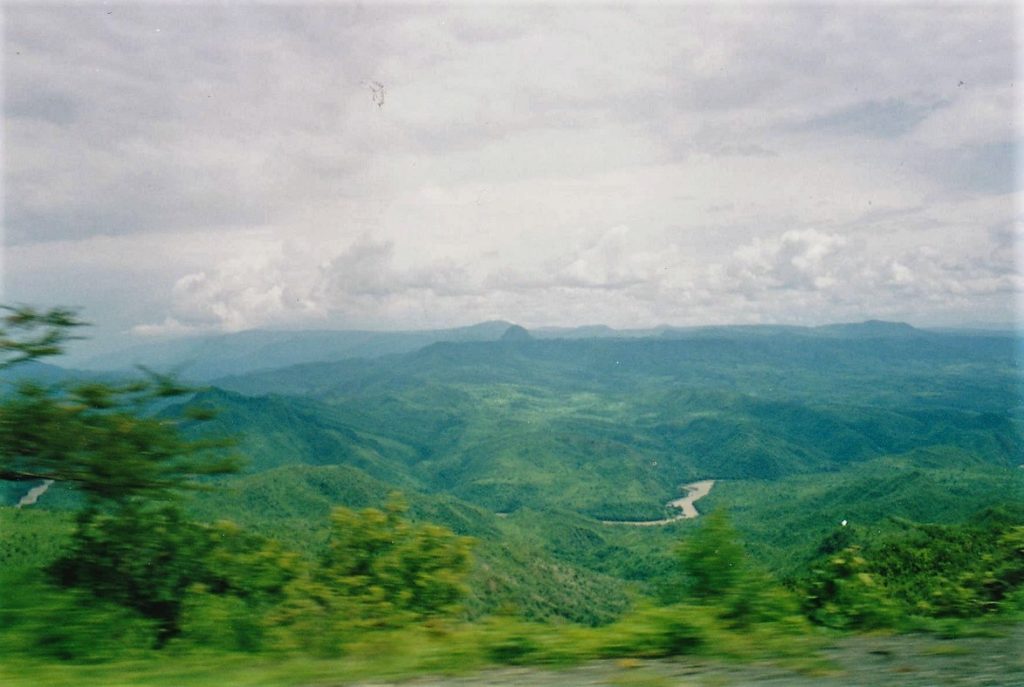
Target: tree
379, 570
389, 567
117, 444
716, 571
712, 559
105, 439
133, 547
27, 334
844, 594
142, 556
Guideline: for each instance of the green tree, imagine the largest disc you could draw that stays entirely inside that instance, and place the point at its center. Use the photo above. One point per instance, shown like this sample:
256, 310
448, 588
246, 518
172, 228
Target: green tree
389, 567
379, 570
141, 556
714, 570
132, 544
844, 593
712, 560
244, 582
28, 334
104, 439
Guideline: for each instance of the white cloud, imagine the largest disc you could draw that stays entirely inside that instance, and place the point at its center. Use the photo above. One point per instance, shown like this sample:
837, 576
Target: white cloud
977, 115
635, 165
798, 259
806, 275
267, 285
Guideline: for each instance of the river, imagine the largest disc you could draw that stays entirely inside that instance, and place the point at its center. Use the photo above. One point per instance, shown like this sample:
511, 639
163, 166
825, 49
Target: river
34, 493
694, 491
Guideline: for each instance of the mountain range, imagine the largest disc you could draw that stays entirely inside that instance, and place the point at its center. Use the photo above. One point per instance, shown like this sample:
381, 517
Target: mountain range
531, 440
204, 358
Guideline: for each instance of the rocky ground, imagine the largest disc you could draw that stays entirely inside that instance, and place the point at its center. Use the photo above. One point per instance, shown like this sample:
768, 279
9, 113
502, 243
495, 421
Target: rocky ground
863, 661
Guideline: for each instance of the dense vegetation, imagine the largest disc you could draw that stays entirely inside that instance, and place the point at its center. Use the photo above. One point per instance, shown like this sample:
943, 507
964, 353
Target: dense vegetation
866, 476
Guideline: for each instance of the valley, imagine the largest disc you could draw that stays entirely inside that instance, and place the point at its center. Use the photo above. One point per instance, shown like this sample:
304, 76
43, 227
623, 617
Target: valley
561, 461
509, 343
695, 491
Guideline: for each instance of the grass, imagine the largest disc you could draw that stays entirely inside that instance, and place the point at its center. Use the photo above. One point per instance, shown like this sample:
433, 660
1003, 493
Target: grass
434, 650
639, 678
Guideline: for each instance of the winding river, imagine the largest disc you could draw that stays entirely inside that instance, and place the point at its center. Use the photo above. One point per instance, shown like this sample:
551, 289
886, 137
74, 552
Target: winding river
694, 491
34, 493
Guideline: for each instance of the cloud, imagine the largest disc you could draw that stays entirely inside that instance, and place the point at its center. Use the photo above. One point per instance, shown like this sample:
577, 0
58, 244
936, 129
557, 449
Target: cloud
798, 259
262, 287
872, 118
794, 275
281, 284
367, 269
985, 168
977, 115
614, 260
153, 119
829, 274
640, 164
220, 116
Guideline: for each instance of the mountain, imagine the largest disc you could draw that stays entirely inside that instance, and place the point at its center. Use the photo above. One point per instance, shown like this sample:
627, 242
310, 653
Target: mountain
931, 370
610, 427
516, 333
595, 331
45, 374
870, 329
528, 442
35, 371
538, 440
207, 357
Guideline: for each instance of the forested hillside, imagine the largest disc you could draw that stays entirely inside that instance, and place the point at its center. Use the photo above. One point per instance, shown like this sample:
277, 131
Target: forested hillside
553, 423
851, 466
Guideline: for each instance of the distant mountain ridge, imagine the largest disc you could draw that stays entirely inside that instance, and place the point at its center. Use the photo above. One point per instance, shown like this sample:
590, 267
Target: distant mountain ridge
210, 357
614, 425
36, 371
516, 333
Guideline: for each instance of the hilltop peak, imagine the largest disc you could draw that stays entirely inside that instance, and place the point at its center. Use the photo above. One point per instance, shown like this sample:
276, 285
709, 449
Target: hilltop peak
870, 328
516, 333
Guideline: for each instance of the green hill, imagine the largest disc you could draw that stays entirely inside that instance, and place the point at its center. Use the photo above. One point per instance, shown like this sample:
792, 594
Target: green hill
527, 443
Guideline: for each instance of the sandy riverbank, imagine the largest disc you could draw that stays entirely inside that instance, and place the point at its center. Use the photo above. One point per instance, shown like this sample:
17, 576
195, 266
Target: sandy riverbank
694, 491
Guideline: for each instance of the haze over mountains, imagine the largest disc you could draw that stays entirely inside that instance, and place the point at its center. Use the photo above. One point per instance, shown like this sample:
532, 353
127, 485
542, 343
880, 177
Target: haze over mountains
205, 358
530, 440
559, 430
409, 323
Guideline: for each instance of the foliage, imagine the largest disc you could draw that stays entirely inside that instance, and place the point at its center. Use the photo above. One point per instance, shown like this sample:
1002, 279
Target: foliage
712, 560
555, 437
844, 594
666, 631
97, 437
925, 571
39, 620
140, 556
611, 428
29, 334
132, 547
386, 566
379, 570
782, 523
715, 570
244, 578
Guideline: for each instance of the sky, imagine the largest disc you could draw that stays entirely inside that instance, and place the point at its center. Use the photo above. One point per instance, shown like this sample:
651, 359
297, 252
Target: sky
178, 169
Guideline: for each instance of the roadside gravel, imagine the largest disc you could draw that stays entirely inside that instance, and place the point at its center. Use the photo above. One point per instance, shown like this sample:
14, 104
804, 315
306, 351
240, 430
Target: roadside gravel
861, 661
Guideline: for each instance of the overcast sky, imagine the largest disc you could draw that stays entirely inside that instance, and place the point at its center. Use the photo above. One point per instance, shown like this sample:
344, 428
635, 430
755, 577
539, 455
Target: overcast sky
184, 169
